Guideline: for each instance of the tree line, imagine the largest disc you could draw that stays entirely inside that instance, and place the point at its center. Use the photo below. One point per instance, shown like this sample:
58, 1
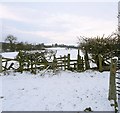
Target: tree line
11, 44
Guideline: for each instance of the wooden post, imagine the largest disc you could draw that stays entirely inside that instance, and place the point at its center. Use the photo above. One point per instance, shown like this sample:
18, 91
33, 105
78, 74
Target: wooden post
64, 62
32, 65
74, 66
87, 64
0, 63
68, 61
78, 60
35, 63
61, 62
112, 84
20, 60
28, 64
54, 64
82, 64
100, 63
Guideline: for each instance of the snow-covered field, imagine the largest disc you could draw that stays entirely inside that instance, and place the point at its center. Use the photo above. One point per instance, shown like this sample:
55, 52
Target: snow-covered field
66, 91
63, 92
60, 51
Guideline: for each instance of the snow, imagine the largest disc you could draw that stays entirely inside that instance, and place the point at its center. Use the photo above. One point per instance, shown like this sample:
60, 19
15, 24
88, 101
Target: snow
60, 51
66, 91
9, 54
65, 51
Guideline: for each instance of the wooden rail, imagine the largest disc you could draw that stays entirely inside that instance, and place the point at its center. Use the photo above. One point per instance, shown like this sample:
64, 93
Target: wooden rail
31, 62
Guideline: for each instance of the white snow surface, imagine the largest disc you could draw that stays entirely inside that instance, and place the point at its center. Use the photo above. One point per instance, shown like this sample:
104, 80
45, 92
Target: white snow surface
65, 51
9, 54
66, 91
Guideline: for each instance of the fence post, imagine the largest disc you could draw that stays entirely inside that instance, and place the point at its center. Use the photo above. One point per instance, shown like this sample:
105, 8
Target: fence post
54, 64
78, 60
87, 65
82, 64
74, 66
68, 61
0, 63
112, 82
64, 62
61, 62
112, 85
100, 63
20, 60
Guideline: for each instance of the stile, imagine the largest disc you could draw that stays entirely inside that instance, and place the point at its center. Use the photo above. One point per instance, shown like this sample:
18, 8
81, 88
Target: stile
32, 62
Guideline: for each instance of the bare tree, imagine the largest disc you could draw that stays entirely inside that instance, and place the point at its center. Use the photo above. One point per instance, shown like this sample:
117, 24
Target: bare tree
11, 39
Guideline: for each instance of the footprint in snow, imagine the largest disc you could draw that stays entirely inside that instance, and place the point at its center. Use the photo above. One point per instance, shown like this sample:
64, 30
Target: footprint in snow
74, 105
75, 90
2, 97
21, 89
59, 105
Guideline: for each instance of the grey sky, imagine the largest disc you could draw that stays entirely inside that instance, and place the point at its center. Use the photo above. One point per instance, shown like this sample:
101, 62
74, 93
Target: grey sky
57, 22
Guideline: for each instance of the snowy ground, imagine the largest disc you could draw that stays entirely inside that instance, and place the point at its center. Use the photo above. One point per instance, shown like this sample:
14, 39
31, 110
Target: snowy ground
67, 91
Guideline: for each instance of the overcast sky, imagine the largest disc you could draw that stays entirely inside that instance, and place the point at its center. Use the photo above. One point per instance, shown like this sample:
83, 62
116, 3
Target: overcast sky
57, 22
